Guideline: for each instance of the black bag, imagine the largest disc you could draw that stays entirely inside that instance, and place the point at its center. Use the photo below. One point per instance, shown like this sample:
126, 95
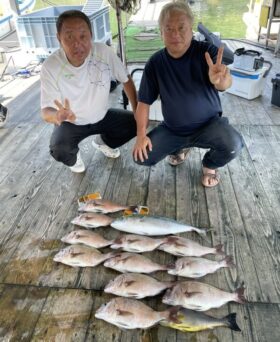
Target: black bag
275, 100
213, 39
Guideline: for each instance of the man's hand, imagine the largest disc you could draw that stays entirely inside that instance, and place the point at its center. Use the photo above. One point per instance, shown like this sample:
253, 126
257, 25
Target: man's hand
64, 113
219, 74
141, 148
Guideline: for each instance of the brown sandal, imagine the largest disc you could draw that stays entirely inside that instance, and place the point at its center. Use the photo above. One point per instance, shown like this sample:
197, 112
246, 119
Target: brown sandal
210, 176
179, 158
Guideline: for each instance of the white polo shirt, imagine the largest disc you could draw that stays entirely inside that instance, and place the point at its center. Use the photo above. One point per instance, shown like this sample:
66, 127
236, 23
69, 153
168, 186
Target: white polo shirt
87, 87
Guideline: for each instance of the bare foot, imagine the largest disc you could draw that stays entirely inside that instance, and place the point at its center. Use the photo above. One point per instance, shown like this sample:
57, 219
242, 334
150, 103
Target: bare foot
210, 177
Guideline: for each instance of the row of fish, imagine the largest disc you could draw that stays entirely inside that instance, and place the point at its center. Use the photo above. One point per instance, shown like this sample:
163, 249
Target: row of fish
133, 314
174, 245
137, 224
189, 294
84, 256
129, 313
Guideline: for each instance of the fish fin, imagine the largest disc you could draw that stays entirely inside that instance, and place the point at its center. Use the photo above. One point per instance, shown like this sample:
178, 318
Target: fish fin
170, 284
87, 217
133, 295
124, 313
112, 255
170, 239
219, 248
229, 261
231, 320
190, 294
73, 254
125, 258
240, 295
134, 240
97, 203
129, 282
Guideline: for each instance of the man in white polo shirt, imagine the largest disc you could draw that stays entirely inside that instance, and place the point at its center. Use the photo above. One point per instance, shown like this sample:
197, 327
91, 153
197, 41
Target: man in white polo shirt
75, 87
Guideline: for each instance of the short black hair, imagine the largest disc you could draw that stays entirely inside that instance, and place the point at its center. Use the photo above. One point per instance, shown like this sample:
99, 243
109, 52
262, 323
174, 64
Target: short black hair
72, 14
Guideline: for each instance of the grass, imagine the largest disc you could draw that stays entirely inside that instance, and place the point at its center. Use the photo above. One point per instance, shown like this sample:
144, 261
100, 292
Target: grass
140, 50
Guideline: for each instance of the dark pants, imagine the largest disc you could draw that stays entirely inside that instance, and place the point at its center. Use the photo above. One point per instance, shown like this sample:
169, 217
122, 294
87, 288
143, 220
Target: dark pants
222, 140
117, 128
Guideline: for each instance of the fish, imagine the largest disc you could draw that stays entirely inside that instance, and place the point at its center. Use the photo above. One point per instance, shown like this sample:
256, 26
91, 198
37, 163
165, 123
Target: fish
129, 313
137, 263
136, 243
152, 225
193, 321
201, 297
194, 267
103, 206
92, 220
86, 237
177, 245
81, 256
136, 285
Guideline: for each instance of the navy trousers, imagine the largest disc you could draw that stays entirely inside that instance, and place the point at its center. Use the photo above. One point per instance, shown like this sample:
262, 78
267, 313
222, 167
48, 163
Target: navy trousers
117, 128
222, 140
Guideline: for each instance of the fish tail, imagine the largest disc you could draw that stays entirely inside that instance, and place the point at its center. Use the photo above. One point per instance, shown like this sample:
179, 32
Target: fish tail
170, 284
231, 322
170, 266
228, 260
202, 231
219, 248
240, 298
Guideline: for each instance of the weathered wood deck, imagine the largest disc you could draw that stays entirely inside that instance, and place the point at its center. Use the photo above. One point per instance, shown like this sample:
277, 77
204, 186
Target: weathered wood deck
41, 300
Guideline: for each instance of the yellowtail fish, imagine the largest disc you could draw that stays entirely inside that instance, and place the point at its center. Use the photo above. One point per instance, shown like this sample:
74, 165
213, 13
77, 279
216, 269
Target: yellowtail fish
152, 225
136, 243
81, 256
177, 245
200, 297
86, 237
136, 285
92, 220
132, 314
137, 263
192, 321
194, 267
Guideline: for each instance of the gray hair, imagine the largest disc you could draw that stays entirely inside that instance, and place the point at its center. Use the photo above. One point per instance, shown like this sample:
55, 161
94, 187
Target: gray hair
176, 6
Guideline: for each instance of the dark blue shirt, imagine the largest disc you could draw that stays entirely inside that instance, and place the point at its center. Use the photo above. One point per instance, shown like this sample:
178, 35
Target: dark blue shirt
188, 98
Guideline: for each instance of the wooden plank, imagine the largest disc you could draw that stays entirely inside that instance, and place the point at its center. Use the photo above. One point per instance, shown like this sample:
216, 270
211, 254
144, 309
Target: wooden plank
20, 308
161, 200
259, 225
65, 316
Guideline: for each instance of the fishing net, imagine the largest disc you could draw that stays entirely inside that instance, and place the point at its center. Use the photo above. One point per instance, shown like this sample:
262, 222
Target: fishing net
128, 6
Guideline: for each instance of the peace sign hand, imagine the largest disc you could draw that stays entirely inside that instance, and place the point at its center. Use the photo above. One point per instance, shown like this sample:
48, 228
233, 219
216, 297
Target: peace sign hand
64, 113
219, 74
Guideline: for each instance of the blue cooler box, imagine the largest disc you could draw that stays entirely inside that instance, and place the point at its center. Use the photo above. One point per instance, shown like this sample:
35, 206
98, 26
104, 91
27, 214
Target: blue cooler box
247, 84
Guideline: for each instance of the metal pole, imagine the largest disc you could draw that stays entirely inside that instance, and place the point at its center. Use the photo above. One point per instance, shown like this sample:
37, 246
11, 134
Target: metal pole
121, 35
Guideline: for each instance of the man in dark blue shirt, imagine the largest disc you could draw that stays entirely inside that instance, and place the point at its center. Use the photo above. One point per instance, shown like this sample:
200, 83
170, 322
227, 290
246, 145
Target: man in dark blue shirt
187, 76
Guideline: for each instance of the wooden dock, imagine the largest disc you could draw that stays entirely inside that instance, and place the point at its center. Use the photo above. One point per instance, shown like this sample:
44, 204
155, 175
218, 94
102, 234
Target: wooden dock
41, 300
